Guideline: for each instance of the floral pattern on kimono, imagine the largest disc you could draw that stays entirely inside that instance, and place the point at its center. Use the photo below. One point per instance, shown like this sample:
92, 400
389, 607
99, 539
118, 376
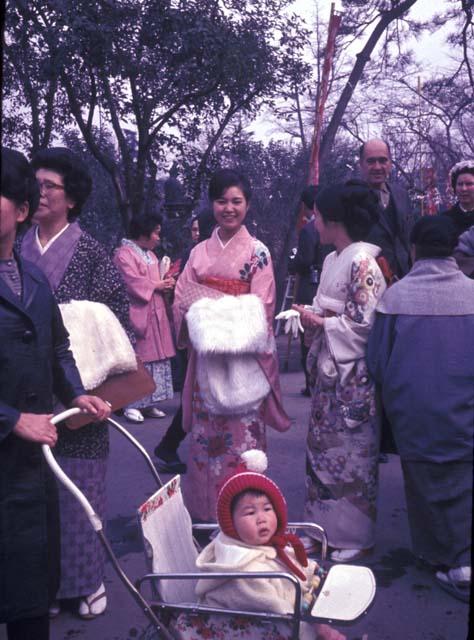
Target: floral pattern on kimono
217, 441
222, 627
342, 444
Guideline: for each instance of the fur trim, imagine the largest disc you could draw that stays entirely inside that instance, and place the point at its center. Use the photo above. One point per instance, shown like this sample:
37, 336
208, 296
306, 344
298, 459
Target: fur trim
99, 344
231, 384
230, 324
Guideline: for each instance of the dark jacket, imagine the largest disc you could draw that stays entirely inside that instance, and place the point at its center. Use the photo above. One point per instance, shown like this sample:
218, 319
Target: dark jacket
308, 263
35, 361
462, 220
392, 236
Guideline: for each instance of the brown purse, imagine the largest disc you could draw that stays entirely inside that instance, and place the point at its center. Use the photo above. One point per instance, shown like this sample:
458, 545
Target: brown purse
119, 390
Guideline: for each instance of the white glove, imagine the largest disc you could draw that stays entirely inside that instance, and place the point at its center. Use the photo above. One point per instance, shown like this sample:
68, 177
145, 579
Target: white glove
293, 322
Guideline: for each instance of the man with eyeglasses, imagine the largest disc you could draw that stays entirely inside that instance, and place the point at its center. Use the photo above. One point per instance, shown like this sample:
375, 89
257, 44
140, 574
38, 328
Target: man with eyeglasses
391, 233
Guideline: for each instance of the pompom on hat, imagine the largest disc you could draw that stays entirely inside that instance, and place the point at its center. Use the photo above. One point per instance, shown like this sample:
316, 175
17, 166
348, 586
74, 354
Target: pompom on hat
249, 477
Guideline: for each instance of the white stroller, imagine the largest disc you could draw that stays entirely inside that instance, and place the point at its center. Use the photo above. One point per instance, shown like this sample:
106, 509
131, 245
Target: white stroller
345, 592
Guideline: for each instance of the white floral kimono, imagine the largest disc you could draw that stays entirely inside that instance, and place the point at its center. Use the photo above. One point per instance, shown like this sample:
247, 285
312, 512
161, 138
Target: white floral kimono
343, 438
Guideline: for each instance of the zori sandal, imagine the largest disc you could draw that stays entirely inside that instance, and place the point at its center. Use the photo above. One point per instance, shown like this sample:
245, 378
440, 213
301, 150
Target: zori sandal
93, 605
456, 582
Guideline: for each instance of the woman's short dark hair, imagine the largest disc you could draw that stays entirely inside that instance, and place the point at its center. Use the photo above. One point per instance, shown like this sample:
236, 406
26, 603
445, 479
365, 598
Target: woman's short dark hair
223, 179
18, 180
76, 177
434, 237
144, 224
352, 204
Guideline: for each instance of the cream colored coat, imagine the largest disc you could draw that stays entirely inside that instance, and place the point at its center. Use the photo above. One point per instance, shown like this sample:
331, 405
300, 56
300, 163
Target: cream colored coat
257, 594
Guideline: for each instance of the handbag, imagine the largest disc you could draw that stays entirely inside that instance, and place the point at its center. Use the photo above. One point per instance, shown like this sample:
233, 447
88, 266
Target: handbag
119, 390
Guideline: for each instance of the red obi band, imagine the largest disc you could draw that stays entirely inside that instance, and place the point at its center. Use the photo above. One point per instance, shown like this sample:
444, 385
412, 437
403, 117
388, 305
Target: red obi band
231, 287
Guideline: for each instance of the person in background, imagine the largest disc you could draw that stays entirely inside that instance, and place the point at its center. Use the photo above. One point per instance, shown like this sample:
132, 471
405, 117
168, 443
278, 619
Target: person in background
231, 391
307, 264
343, 436
166, 451
462, 182
35, 363
421, 353
77, 268
140, 271
391, 231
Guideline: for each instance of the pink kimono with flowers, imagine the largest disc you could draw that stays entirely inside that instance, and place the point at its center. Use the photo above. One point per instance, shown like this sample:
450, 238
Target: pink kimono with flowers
148, 318
241, 266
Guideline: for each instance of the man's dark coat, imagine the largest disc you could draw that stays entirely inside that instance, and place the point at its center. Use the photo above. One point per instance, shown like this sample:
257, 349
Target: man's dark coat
392, 235
35, 362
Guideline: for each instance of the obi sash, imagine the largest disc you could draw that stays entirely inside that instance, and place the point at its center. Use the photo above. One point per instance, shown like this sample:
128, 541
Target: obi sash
229, 287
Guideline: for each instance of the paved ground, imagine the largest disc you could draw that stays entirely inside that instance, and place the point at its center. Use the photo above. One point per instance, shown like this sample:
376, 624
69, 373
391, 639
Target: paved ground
408, 604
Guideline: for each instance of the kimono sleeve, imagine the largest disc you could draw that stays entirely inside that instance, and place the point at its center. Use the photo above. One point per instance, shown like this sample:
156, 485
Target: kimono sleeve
180, 304
139, 286
347, 333
379, 346
262, 283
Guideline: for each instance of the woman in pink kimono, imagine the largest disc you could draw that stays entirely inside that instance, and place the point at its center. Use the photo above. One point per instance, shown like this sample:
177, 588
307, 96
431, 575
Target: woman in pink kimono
223, 310
343, 439
140, 270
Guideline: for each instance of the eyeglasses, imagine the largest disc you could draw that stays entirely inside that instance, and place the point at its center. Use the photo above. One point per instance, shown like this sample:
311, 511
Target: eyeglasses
48, 186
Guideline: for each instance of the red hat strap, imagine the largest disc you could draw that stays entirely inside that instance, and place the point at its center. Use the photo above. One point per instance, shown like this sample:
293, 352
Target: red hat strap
279, 541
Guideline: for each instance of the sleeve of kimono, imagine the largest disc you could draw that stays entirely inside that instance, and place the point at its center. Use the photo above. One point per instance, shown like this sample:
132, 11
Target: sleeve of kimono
138, 284
379, 346
186, 278
262, 283
347, 333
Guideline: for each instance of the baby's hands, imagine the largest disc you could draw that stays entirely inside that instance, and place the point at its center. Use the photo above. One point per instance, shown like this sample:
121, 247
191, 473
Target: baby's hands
324, 632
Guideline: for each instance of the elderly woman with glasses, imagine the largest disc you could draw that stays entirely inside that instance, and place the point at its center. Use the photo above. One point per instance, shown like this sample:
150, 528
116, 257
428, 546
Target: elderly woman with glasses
78, 268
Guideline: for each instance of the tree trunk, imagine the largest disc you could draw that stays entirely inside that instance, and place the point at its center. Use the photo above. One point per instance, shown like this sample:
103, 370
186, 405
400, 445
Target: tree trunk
362, 58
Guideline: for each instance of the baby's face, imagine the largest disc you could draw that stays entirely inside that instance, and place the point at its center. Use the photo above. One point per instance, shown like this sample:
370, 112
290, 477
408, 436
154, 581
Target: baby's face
254, 519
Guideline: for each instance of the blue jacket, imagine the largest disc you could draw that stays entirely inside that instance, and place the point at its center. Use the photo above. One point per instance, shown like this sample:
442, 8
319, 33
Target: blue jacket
35, 362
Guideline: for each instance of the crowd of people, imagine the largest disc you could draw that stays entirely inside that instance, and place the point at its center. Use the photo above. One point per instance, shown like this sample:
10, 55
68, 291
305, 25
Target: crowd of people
386, 309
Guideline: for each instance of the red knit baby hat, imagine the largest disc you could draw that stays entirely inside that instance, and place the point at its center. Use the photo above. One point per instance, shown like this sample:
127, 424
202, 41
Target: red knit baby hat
249, 476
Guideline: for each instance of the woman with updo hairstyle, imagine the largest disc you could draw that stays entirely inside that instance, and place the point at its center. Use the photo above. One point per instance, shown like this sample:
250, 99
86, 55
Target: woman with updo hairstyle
223, 310
462, 182
343, 440
78, 268
145, 284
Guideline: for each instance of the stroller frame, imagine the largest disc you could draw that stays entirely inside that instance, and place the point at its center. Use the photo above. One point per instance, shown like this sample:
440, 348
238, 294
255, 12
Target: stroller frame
149, 608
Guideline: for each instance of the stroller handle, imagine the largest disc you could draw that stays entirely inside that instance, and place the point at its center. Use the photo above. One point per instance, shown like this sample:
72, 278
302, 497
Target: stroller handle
64, 479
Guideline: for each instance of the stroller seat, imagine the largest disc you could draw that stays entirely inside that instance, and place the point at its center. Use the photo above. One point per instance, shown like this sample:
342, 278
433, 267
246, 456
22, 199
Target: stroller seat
171, 554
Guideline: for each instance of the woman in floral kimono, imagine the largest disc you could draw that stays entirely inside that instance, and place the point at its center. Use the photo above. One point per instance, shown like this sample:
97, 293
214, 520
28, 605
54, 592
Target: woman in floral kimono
140, 271
343, 440
223, 309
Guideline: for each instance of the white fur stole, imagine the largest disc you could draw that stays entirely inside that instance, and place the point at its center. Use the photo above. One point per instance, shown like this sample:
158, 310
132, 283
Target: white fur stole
227, 333
230, 324
99, 343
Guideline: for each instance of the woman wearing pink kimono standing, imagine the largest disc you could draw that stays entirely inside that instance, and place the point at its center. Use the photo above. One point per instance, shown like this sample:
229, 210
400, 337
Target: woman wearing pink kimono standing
140, 271
223, 311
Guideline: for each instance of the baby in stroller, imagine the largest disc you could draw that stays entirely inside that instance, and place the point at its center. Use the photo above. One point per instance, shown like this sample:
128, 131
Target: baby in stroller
252, 516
